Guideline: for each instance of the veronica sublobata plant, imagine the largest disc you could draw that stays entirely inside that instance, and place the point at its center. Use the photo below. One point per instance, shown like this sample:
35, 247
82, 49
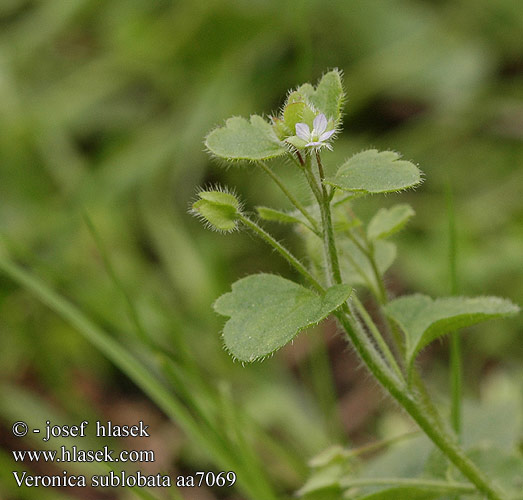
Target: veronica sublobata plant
267, 311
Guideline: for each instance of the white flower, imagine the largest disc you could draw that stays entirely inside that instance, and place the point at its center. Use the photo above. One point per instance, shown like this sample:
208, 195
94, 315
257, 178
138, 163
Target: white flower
318, 136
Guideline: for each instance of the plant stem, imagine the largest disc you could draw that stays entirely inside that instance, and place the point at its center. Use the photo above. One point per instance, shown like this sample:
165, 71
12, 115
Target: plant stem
131, 307
289, 195
382, 298
319, 372
377, 337
456, 381
379, 292
430, 485
456, 372
399, 392
378, 445
381, 371
286, 254
394, 333
329, 243
366, 350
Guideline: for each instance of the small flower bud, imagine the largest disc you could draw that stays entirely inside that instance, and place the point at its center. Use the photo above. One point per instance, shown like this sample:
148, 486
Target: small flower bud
218, 208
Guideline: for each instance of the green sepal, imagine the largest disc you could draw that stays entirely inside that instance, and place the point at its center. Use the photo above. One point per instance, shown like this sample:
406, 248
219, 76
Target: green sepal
296, 142
219, 209
298, 112
293, 114
267, 311
280, 129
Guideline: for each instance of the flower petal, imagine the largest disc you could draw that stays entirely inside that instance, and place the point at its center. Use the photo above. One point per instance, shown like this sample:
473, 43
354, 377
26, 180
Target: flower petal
320, 124
326, 135
303, 131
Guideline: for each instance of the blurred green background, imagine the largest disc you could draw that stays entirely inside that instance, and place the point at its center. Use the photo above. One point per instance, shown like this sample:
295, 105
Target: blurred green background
103, 111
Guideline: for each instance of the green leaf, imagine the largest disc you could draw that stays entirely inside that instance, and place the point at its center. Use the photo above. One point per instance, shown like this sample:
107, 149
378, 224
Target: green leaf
355, 266
423, 319
376, 172
329, 467
404, 459
267, 311
388, 221
405, 493
271, 214
327, 477
328, 95
244, 140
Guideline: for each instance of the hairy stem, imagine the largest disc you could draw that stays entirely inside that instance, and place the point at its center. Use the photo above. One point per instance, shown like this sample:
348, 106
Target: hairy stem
456, 371
381, 371
286, 254
289, 195
386, 376
414, 408
329, 243
430, 485
376, 334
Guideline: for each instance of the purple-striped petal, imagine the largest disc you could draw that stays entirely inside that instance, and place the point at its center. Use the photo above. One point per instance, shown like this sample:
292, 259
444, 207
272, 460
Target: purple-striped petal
326, 135
320, 124
303, 131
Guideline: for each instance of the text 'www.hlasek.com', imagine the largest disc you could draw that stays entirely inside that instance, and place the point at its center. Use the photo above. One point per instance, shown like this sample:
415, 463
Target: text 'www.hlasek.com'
109, 476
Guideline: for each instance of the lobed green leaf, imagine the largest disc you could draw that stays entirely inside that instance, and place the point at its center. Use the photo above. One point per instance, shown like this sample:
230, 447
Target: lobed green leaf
388, 221
423, 319
328, 96
267, 311
241, 139
376, 172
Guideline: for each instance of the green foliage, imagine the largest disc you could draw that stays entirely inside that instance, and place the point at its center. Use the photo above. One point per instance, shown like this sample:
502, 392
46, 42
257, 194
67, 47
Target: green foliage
412, 468
267, 311
356, 267
427, 492
327, 97
104, 105
376, 172
329, 467
218, 209
271, 214
244, 140
296, 110
423, 319
303, 105
388, 221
